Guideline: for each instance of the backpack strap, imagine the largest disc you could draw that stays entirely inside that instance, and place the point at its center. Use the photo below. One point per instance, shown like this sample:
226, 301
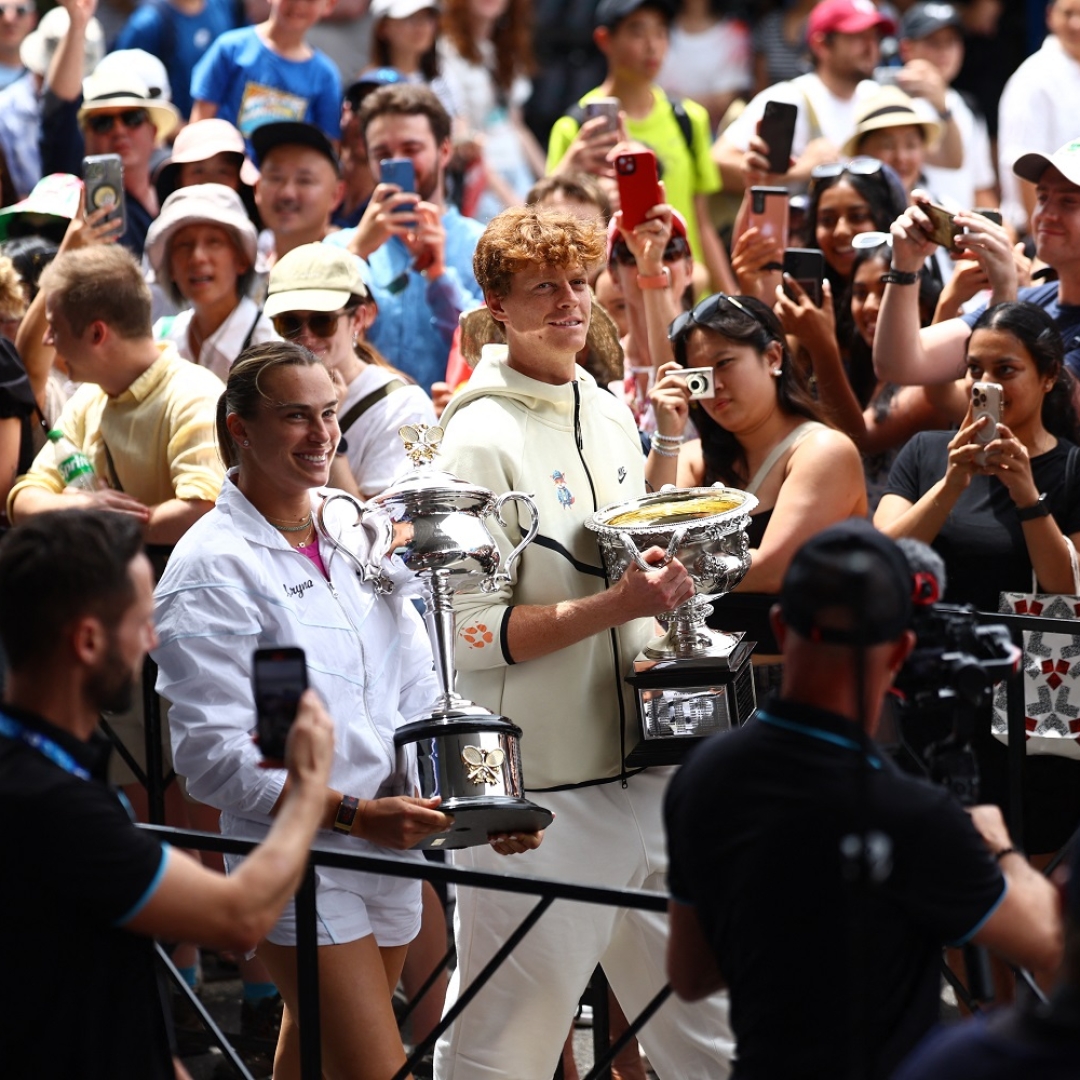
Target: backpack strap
367, 401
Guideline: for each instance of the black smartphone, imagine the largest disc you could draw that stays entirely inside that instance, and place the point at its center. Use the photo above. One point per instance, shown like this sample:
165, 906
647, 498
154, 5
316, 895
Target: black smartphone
399, 171
807, 267
103, 180
278, 677
988, 213
777, 128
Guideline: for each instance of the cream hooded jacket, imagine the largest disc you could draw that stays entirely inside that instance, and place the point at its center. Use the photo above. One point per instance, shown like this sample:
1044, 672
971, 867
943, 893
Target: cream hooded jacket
575, 449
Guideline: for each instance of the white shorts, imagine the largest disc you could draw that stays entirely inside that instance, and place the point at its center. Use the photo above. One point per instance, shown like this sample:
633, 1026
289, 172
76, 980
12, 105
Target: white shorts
350, 905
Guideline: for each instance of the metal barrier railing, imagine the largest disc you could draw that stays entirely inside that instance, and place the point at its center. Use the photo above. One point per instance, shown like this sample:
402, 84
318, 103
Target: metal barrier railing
548, 891
307, 955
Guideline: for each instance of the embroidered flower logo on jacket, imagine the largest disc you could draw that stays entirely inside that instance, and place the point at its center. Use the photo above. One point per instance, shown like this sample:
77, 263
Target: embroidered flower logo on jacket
566, 496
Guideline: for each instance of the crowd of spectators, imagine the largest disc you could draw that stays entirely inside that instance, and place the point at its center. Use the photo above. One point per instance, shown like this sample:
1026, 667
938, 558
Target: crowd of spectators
321, 174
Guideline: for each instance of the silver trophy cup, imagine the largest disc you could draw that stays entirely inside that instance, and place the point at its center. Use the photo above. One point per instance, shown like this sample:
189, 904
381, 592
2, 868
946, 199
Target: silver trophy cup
692, 681
466, 754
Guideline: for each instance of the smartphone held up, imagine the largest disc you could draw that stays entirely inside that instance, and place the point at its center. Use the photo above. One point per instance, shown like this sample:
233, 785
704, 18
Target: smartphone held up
279, 678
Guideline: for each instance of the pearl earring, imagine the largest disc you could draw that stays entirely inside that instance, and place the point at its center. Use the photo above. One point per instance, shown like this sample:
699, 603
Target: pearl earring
775, 373
247, 442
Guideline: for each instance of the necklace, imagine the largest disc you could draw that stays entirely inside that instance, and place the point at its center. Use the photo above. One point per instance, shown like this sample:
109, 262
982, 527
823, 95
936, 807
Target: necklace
302, 527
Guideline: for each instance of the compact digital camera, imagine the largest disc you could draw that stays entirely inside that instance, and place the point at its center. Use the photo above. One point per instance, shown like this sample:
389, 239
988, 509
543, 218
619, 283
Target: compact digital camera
699, 381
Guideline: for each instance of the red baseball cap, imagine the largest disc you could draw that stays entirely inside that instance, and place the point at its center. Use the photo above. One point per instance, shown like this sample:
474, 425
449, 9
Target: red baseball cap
847, 17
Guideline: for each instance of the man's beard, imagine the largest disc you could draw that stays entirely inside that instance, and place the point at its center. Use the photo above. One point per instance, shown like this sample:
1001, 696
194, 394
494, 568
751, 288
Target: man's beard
110, 687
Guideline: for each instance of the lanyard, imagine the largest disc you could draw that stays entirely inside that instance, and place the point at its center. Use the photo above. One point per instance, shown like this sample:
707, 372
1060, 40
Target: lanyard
818, 733
12, 729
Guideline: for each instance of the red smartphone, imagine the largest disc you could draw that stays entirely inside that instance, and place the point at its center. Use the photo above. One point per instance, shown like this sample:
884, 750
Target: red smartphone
639, 186
769, 214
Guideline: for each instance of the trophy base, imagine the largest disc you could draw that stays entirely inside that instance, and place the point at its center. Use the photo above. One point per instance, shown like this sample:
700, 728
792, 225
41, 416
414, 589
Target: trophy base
683, 702
715, 647
475, 819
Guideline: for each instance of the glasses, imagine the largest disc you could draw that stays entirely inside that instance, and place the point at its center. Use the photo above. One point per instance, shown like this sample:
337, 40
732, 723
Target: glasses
856, 166
677, 248
103, 123
323, 324
701, 314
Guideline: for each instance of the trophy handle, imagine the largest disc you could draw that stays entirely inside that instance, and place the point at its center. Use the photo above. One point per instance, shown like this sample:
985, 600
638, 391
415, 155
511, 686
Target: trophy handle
377, 523
503, 576
673, 545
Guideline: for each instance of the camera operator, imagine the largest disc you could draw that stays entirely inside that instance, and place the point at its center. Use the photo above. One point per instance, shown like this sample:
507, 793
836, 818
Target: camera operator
813, 878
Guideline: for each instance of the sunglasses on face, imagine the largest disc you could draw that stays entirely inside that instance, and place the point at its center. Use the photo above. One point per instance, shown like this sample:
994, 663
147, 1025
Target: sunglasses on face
323, 324
103, 123
701, 314
677, 248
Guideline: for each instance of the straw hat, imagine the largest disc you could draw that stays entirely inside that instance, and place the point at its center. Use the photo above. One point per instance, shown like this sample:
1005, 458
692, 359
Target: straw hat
114, 89
890, 107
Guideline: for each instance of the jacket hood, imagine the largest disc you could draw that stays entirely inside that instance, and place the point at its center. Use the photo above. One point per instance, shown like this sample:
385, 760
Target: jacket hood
494, 377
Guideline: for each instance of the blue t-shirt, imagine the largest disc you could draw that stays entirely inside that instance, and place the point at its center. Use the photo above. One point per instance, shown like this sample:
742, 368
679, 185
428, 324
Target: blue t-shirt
251, 85
177, 39
1066, 317
417, 317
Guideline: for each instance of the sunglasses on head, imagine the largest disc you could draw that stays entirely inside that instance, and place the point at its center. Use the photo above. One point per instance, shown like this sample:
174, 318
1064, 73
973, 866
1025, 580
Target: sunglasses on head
677, 248
323, 324
704, 311
856, 166
103, 123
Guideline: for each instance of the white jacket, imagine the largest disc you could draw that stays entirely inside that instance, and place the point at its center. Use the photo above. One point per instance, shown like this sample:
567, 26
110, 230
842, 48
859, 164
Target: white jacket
576, 449
234, 585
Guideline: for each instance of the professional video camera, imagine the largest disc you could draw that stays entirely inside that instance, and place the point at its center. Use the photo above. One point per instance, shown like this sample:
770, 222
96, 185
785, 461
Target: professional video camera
946, 686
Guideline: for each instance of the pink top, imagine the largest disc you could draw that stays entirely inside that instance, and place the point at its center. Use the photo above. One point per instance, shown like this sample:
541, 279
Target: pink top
311, 551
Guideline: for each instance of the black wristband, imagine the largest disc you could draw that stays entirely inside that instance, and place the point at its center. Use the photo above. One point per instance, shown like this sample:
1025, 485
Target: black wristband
1040, 508
900, 277
999, 855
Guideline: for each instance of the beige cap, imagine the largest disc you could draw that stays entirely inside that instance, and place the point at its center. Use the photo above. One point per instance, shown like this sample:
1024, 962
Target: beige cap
314, 277
209, 204
887, 108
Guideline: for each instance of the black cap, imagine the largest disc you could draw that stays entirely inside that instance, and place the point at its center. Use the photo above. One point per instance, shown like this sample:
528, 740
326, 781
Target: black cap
849, 585
923, 19
610, 13
291, 133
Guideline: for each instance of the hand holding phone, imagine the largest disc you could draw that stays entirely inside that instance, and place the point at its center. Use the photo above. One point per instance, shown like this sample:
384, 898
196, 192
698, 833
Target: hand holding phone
608, 108
769, 215
279, 677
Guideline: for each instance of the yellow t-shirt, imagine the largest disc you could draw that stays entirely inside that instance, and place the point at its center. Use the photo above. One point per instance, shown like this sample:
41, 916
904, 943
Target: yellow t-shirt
686, 173
160, 434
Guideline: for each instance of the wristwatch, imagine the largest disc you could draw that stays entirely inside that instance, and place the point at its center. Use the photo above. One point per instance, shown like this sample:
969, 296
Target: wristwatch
1040, 508
346, 814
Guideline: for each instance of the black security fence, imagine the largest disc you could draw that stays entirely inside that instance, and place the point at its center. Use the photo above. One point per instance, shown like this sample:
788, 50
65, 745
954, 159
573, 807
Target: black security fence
156, 780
